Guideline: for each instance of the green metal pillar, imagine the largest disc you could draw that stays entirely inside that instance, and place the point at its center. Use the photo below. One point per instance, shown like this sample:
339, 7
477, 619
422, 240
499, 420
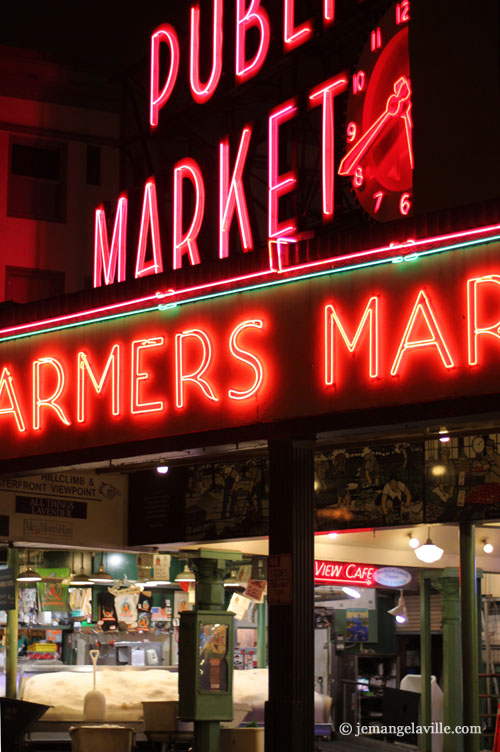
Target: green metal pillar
261, 634
11, 633
425, 660
470, 637
448, 584
209, 568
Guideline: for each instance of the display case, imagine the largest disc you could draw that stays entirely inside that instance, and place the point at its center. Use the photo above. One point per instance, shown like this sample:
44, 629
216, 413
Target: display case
365, 677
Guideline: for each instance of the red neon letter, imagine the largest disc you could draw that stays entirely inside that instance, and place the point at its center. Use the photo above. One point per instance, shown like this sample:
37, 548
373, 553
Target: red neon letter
187, 168
38, 401
473, 329
202, 92
149, 218
422, 310
294, 36
333, 322
324, 95
138, 376
84, 367
7, 386
254, 16
196, 375
279, 184
248, 358
104, 258
328, 12
157, 98
232, 195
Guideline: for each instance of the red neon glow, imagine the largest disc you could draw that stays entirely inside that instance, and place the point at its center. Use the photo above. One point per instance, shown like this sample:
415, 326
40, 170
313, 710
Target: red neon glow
85, 369
376, 39
293, 36
361, 255
195, 376
358, 82
105, 259
403, 12
279, 185
39, 366
324, 95
139, 377
378, 196
474, 330
344, 573
248, 358
398, 105
328, 12
149, 219
278, 253
422, 311
252, 17
232, 195
202, 92
157, 98
333, 323
7, 387
186, 243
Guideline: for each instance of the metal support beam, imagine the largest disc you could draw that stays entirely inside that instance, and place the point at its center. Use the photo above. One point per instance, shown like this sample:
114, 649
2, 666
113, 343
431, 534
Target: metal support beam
470, 638
289, 714
425, 660
11, 632
449, 587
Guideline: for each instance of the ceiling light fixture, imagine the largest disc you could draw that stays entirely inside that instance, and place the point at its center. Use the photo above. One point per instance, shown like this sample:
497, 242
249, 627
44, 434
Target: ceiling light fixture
399, 612
351, 592
332, 534
28, 574
101, 577
413, 542
187, 575
487, 547
162, 469
429, 552
443, 435
81, 580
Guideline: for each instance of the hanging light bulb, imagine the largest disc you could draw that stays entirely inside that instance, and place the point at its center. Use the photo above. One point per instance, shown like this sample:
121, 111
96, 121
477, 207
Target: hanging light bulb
399, 612
351, 592
413, 542
232, 580
487, 547
429, 552
332, 534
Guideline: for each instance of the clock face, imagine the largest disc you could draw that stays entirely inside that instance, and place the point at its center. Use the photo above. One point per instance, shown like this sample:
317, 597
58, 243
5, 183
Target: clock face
379, 154
478, 444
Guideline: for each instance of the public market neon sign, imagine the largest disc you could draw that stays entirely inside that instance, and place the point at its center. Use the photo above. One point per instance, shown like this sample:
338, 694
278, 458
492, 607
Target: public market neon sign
251, 20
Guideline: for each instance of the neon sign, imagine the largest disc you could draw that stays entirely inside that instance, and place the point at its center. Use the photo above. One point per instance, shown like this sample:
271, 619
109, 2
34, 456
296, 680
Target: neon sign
252, 21
344, 573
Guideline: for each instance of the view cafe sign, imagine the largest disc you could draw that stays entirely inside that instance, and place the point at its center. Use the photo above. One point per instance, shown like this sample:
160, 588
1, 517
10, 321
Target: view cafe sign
362, 575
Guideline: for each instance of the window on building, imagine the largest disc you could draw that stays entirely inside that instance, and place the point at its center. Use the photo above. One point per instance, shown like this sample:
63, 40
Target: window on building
37, 180
23, 285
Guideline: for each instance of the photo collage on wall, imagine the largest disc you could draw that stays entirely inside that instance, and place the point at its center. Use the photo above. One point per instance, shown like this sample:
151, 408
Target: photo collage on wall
463, 478
370, 486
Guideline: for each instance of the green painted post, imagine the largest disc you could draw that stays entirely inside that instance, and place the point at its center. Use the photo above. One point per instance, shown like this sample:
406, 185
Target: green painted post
11, 633
470, 638
425, 660
449, 586
261, 634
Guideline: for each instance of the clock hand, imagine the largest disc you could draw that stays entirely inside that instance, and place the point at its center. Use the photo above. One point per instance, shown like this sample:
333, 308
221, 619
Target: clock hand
408, 129
394, 108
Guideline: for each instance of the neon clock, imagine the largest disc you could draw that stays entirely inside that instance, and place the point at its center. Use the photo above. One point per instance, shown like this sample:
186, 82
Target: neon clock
379, 151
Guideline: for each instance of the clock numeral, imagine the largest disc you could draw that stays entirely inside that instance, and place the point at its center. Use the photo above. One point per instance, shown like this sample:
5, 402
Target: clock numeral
358, 82
358, 177
402, 12
378, 196
376, 39
405, 203
352, 130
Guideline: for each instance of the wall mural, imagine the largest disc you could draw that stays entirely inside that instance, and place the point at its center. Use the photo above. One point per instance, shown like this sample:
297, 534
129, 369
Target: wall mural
383, 485
370, 486
463, 478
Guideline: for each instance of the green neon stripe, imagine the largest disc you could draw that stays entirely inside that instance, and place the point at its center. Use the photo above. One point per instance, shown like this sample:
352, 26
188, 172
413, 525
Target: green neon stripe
415, 256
